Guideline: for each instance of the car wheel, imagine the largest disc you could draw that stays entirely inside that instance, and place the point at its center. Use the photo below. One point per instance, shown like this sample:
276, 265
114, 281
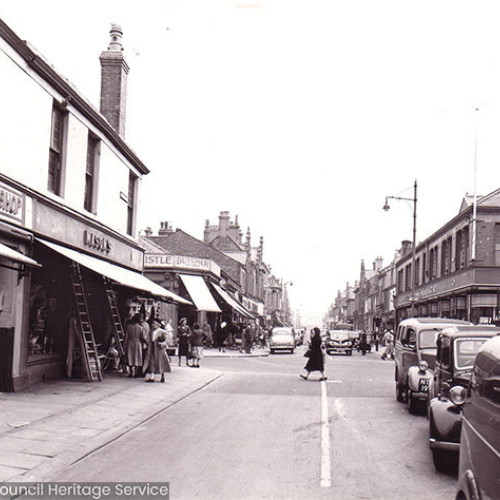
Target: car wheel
400, 395
445, 460
291, 351
271, 351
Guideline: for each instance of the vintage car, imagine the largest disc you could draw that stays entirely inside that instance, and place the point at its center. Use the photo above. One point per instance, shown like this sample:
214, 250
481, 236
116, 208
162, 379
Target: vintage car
479, 463
414, 358
339, 341
457, 347
282, 338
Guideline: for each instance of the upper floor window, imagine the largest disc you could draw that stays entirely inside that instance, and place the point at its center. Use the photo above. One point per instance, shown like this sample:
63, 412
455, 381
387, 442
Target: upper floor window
132, 188
91, 173
417, 272
56, 152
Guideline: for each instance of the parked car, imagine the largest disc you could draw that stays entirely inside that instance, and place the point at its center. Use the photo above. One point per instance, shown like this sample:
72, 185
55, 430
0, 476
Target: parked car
414, 358
479, 463
339, 341
457, 347
282, 338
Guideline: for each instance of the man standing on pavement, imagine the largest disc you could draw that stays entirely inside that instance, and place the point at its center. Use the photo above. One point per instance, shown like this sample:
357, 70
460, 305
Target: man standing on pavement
388, 341
247, 338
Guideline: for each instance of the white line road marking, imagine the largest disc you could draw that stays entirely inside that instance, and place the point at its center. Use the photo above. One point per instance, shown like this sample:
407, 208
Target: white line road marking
326, 476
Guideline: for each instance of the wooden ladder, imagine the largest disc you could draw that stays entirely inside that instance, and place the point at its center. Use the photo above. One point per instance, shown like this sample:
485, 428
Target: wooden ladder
90, 356
118, 331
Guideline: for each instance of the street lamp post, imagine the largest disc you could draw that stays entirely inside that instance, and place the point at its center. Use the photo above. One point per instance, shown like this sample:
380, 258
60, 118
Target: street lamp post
386, 207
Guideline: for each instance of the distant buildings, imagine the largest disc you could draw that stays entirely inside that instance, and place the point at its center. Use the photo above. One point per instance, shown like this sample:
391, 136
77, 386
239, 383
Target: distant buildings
457, 275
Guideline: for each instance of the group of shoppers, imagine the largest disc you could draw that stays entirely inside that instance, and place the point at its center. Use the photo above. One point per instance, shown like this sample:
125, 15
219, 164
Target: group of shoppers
146, 347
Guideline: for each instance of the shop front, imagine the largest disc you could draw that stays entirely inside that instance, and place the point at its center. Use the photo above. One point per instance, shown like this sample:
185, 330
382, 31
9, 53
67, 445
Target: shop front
190, 278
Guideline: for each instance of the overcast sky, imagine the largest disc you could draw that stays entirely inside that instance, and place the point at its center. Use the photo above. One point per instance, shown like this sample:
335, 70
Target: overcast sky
299, 116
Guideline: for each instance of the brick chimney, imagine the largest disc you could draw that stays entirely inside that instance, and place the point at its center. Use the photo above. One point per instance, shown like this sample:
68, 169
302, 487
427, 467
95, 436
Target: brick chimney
165, 228
114, 71
406, 247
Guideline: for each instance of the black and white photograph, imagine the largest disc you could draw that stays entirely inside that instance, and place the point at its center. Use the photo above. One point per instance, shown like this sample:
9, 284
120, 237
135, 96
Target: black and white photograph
249, 249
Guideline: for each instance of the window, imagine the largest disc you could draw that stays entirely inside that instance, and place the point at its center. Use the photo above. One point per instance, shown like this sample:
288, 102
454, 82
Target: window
91, 172
425, 274
132, 182
417, 272
458, 250
400, 281
408, 278
56, 152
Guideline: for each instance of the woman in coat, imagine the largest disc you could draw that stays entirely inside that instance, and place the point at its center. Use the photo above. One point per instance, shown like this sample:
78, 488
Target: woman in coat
134, 338
196, 341
183, 334
156, 356
316, 361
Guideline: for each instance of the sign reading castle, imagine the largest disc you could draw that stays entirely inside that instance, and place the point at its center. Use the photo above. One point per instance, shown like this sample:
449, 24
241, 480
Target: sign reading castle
180, 262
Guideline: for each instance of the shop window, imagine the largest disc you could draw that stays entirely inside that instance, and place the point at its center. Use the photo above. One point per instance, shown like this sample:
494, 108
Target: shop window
91, 173
49, 306
56, 152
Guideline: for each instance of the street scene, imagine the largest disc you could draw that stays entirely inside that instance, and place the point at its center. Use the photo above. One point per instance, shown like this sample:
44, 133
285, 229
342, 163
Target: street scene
249, 250
248, 428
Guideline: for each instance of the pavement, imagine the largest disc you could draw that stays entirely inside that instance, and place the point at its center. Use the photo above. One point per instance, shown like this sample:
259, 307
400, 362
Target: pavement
56, 423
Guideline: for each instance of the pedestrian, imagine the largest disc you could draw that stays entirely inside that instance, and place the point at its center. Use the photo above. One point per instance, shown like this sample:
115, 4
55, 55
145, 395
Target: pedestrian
196, 341
247, 338
220, 336
316, 361
183, 333
207, 333
135, 337
145, 325
170, 330
388, 341
156, 357
363, 343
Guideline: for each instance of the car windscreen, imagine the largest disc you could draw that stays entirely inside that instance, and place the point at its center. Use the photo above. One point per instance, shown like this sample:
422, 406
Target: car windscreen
427, 339
338, 335
282, 332
466, 352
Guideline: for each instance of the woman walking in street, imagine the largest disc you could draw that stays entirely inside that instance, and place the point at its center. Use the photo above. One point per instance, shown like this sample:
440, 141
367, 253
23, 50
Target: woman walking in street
183, 333
156, 357
316, 361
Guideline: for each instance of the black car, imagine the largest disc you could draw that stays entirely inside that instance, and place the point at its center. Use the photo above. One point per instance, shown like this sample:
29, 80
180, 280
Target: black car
479, 467
457, 347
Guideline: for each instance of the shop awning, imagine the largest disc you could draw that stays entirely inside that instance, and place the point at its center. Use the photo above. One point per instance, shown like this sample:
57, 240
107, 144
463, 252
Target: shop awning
125, 277
199, 293
15, 256
232, 302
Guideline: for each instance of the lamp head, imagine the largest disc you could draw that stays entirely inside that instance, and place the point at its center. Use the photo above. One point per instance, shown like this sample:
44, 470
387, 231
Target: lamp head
386, 206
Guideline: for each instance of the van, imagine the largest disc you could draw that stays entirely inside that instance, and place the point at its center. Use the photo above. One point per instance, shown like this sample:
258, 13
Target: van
415, 355
479, 462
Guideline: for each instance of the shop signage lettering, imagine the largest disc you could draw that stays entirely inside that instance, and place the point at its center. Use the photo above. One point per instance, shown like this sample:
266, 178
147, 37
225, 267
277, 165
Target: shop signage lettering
181, 262
11, 203
96, 242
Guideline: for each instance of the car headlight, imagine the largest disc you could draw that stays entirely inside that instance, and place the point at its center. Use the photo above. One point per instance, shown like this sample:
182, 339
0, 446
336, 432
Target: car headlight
458, 395
423, 366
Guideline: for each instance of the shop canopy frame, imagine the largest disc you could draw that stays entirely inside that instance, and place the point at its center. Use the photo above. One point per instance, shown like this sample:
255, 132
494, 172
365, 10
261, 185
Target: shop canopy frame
200, 294
120, 275
15, 256
232, 302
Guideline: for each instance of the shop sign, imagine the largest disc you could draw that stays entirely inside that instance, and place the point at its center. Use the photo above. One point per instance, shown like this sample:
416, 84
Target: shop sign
96, 242
11, 203
180, 262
